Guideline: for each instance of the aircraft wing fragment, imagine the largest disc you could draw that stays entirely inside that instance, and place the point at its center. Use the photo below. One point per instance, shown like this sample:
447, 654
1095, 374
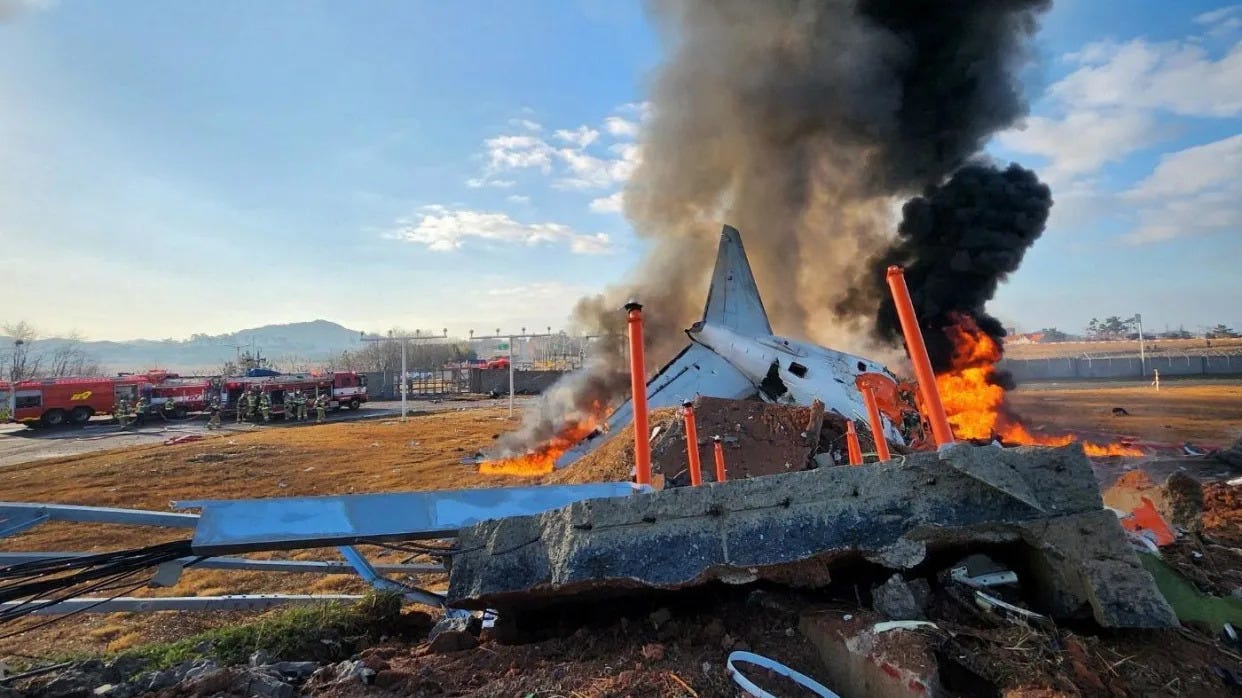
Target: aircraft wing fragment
695, 371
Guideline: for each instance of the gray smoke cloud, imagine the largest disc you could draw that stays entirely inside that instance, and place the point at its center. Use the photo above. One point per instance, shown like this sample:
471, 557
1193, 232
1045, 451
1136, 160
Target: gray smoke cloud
802, 123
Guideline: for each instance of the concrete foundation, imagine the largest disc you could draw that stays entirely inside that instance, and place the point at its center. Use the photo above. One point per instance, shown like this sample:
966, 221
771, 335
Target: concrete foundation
796, 528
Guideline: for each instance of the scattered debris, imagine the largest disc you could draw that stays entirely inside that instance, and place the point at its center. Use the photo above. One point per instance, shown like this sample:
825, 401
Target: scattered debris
760, 661
900, 599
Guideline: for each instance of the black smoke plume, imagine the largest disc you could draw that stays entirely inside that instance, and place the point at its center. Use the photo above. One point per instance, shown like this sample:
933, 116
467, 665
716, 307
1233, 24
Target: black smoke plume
798, 122
957, 243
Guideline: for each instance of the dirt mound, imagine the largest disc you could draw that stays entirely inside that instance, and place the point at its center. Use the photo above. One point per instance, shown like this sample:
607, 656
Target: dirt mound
759, 439
614, 461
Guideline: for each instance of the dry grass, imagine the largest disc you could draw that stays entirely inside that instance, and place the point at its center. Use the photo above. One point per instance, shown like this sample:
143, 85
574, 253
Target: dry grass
423, 454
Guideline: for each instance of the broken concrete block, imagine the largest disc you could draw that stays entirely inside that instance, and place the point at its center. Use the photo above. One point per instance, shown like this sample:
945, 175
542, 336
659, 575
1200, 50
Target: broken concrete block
793, 527
860, 662
454, 633
902, 600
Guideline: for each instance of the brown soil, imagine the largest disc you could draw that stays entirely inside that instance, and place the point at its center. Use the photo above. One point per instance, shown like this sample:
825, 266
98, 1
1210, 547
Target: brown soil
1207, 415
627, 657
758, 438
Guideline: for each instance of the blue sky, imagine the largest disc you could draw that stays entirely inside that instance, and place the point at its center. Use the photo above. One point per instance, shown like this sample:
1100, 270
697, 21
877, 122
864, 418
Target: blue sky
172, 168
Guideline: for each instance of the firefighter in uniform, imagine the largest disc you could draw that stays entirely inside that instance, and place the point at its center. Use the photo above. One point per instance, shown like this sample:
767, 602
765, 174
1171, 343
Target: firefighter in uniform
291, 405
265, 405
254, 403
140, 411
243, 406
122, 412
303, 411
170, 408
4, 409
321, 408
214, 410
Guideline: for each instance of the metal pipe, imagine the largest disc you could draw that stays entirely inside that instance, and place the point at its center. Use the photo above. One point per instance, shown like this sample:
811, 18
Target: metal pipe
720, 464
638, 389
851, 442
918, 356
241, 563
131, 604
510, 376
877, 424
692, 444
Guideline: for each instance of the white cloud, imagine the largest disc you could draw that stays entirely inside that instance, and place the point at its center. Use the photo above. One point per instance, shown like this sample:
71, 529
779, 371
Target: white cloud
1220, 22
590, 172
607, 204
443, 229
579, 164
518, 152
1082, 141
479, 182
618, 126
1192, 191
1178, 77
642, 109
526, 124
518, 199
581, 136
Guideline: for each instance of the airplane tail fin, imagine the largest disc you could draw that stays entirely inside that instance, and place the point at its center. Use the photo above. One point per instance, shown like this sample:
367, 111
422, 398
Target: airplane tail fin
733, 299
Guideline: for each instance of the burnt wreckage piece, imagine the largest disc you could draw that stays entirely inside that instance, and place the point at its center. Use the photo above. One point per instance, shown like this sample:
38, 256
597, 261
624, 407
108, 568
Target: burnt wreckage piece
1041, 503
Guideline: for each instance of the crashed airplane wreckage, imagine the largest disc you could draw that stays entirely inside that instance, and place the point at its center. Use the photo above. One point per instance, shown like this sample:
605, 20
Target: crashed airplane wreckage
519, 551
733, 354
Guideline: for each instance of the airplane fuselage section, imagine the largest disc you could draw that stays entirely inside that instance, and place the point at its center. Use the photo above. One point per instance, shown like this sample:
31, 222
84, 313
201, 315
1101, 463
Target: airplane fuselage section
792, 372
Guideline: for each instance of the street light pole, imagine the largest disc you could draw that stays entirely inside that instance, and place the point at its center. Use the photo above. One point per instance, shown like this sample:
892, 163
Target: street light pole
1138, 317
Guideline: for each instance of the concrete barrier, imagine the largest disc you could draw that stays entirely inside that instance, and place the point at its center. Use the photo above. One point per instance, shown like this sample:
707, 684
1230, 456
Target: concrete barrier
524, 382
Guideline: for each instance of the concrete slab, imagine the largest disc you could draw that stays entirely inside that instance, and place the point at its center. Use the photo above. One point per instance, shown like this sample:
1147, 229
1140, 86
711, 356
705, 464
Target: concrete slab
794, 528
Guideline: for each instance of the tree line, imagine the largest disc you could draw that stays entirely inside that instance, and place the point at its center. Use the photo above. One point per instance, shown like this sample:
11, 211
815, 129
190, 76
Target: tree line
25, 357
1115, 327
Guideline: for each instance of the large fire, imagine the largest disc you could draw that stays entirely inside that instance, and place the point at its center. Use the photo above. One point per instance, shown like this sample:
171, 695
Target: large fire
542, 459
975, 403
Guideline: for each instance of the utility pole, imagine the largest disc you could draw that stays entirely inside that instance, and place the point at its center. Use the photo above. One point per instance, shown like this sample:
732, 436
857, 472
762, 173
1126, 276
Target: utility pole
1138, 318
404, 339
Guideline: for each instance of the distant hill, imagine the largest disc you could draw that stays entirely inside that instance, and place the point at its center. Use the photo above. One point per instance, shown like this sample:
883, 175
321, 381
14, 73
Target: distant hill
303, 342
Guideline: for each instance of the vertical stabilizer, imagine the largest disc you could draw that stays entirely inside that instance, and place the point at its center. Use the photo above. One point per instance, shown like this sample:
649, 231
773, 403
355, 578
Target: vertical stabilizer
733, 299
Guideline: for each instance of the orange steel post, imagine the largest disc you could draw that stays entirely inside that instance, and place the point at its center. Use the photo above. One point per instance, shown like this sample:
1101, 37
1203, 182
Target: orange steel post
692, 444
851, 442
638, 388
877, 424
720, 468
918, 356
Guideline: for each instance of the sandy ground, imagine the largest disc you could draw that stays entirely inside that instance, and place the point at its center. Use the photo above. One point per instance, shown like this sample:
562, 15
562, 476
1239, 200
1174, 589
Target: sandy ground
1206, 413
424, 453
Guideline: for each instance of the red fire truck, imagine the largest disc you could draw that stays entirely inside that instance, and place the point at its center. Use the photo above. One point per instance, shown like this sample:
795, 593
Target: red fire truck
344, 389
61, 401
58, 401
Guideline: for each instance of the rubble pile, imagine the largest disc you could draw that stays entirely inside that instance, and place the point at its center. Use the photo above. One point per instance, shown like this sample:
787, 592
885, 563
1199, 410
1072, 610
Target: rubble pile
759, 438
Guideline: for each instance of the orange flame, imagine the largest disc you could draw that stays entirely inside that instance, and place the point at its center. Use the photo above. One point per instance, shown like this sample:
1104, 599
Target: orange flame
541, 460
976, 405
